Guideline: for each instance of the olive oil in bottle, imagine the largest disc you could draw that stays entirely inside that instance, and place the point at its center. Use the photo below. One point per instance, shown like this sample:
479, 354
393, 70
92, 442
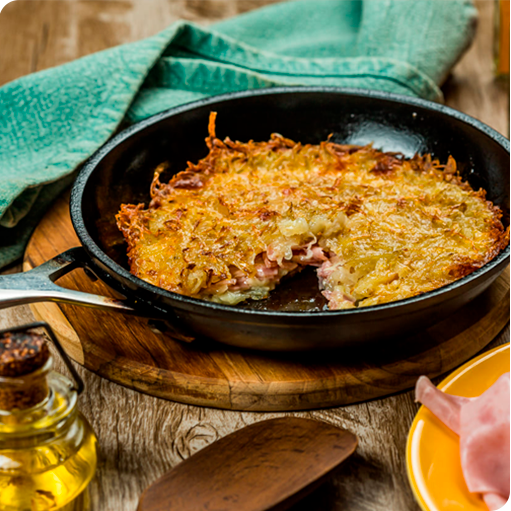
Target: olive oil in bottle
47, 447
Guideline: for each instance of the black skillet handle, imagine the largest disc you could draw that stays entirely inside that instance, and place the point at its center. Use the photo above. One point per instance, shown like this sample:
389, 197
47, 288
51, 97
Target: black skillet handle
38, 285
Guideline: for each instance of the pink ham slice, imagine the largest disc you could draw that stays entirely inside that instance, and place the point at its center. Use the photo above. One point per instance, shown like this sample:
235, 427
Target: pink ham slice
309, 255
482, 424
270, 271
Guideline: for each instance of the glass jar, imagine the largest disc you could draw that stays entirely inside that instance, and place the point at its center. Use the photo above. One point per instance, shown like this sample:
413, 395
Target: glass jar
47, 448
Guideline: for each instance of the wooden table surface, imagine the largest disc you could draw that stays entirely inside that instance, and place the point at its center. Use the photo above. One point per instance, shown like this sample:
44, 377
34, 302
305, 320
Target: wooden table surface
141, 437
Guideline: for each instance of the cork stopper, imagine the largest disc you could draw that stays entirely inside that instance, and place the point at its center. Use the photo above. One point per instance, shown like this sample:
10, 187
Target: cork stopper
21, 355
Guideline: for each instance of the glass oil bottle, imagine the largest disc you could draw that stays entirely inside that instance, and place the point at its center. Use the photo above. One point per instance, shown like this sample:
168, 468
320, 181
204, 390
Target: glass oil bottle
47, 447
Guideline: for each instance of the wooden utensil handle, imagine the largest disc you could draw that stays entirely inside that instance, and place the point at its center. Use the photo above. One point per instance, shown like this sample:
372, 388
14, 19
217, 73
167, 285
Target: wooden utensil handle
267, 466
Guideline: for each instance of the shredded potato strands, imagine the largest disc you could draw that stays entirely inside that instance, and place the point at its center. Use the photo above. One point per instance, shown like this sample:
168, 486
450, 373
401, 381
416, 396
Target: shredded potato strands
377, 226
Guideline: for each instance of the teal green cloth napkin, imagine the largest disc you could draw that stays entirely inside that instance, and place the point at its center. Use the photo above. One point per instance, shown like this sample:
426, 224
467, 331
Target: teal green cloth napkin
53, 120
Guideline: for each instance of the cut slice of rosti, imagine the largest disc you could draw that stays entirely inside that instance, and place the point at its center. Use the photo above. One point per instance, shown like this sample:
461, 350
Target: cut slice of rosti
378, 226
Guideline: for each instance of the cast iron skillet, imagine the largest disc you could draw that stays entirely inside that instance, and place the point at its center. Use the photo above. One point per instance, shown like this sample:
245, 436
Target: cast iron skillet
121, 171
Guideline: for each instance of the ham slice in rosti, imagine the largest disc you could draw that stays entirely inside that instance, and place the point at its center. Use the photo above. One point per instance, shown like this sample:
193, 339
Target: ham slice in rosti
482, 424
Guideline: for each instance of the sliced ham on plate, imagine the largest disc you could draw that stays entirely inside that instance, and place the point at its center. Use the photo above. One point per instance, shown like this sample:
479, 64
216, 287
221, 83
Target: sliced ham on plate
482, 424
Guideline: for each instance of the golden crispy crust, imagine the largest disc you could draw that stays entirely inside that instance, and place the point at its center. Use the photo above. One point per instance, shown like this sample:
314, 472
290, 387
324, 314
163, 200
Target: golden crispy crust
378, 226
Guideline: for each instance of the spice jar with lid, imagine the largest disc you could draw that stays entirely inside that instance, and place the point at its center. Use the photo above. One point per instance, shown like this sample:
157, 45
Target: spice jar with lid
47, 447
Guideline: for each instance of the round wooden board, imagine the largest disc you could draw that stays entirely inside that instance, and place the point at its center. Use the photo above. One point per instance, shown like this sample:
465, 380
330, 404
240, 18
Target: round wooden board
125, 350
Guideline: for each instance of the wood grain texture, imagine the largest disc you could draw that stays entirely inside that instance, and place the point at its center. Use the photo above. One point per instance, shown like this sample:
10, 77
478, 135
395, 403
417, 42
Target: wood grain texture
142, 437
262, 467
125, 350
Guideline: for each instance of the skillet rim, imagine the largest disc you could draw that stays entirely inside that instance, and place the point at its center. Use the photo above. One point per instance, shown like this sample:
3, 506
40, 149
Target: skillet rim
91, 164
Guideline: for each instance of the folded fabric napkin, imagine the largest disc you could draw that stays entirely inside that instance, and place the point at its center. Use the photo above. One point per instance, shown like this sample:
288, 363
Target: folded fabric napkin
53, 120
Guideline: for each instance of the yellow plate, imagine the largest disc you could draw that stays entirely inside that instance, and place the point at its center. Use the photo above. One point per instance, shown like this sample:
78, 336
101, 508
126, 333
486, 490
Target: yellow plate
432, 451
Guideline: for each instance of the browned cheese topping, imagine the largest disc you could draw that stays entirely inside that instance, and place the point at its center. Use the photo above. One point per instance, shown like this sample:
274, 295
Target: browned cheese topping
379, 227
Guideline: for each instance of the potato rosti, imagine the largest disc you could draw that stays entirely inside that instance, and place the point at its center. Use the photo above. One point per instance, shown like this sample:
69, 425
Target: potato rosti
379, 227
